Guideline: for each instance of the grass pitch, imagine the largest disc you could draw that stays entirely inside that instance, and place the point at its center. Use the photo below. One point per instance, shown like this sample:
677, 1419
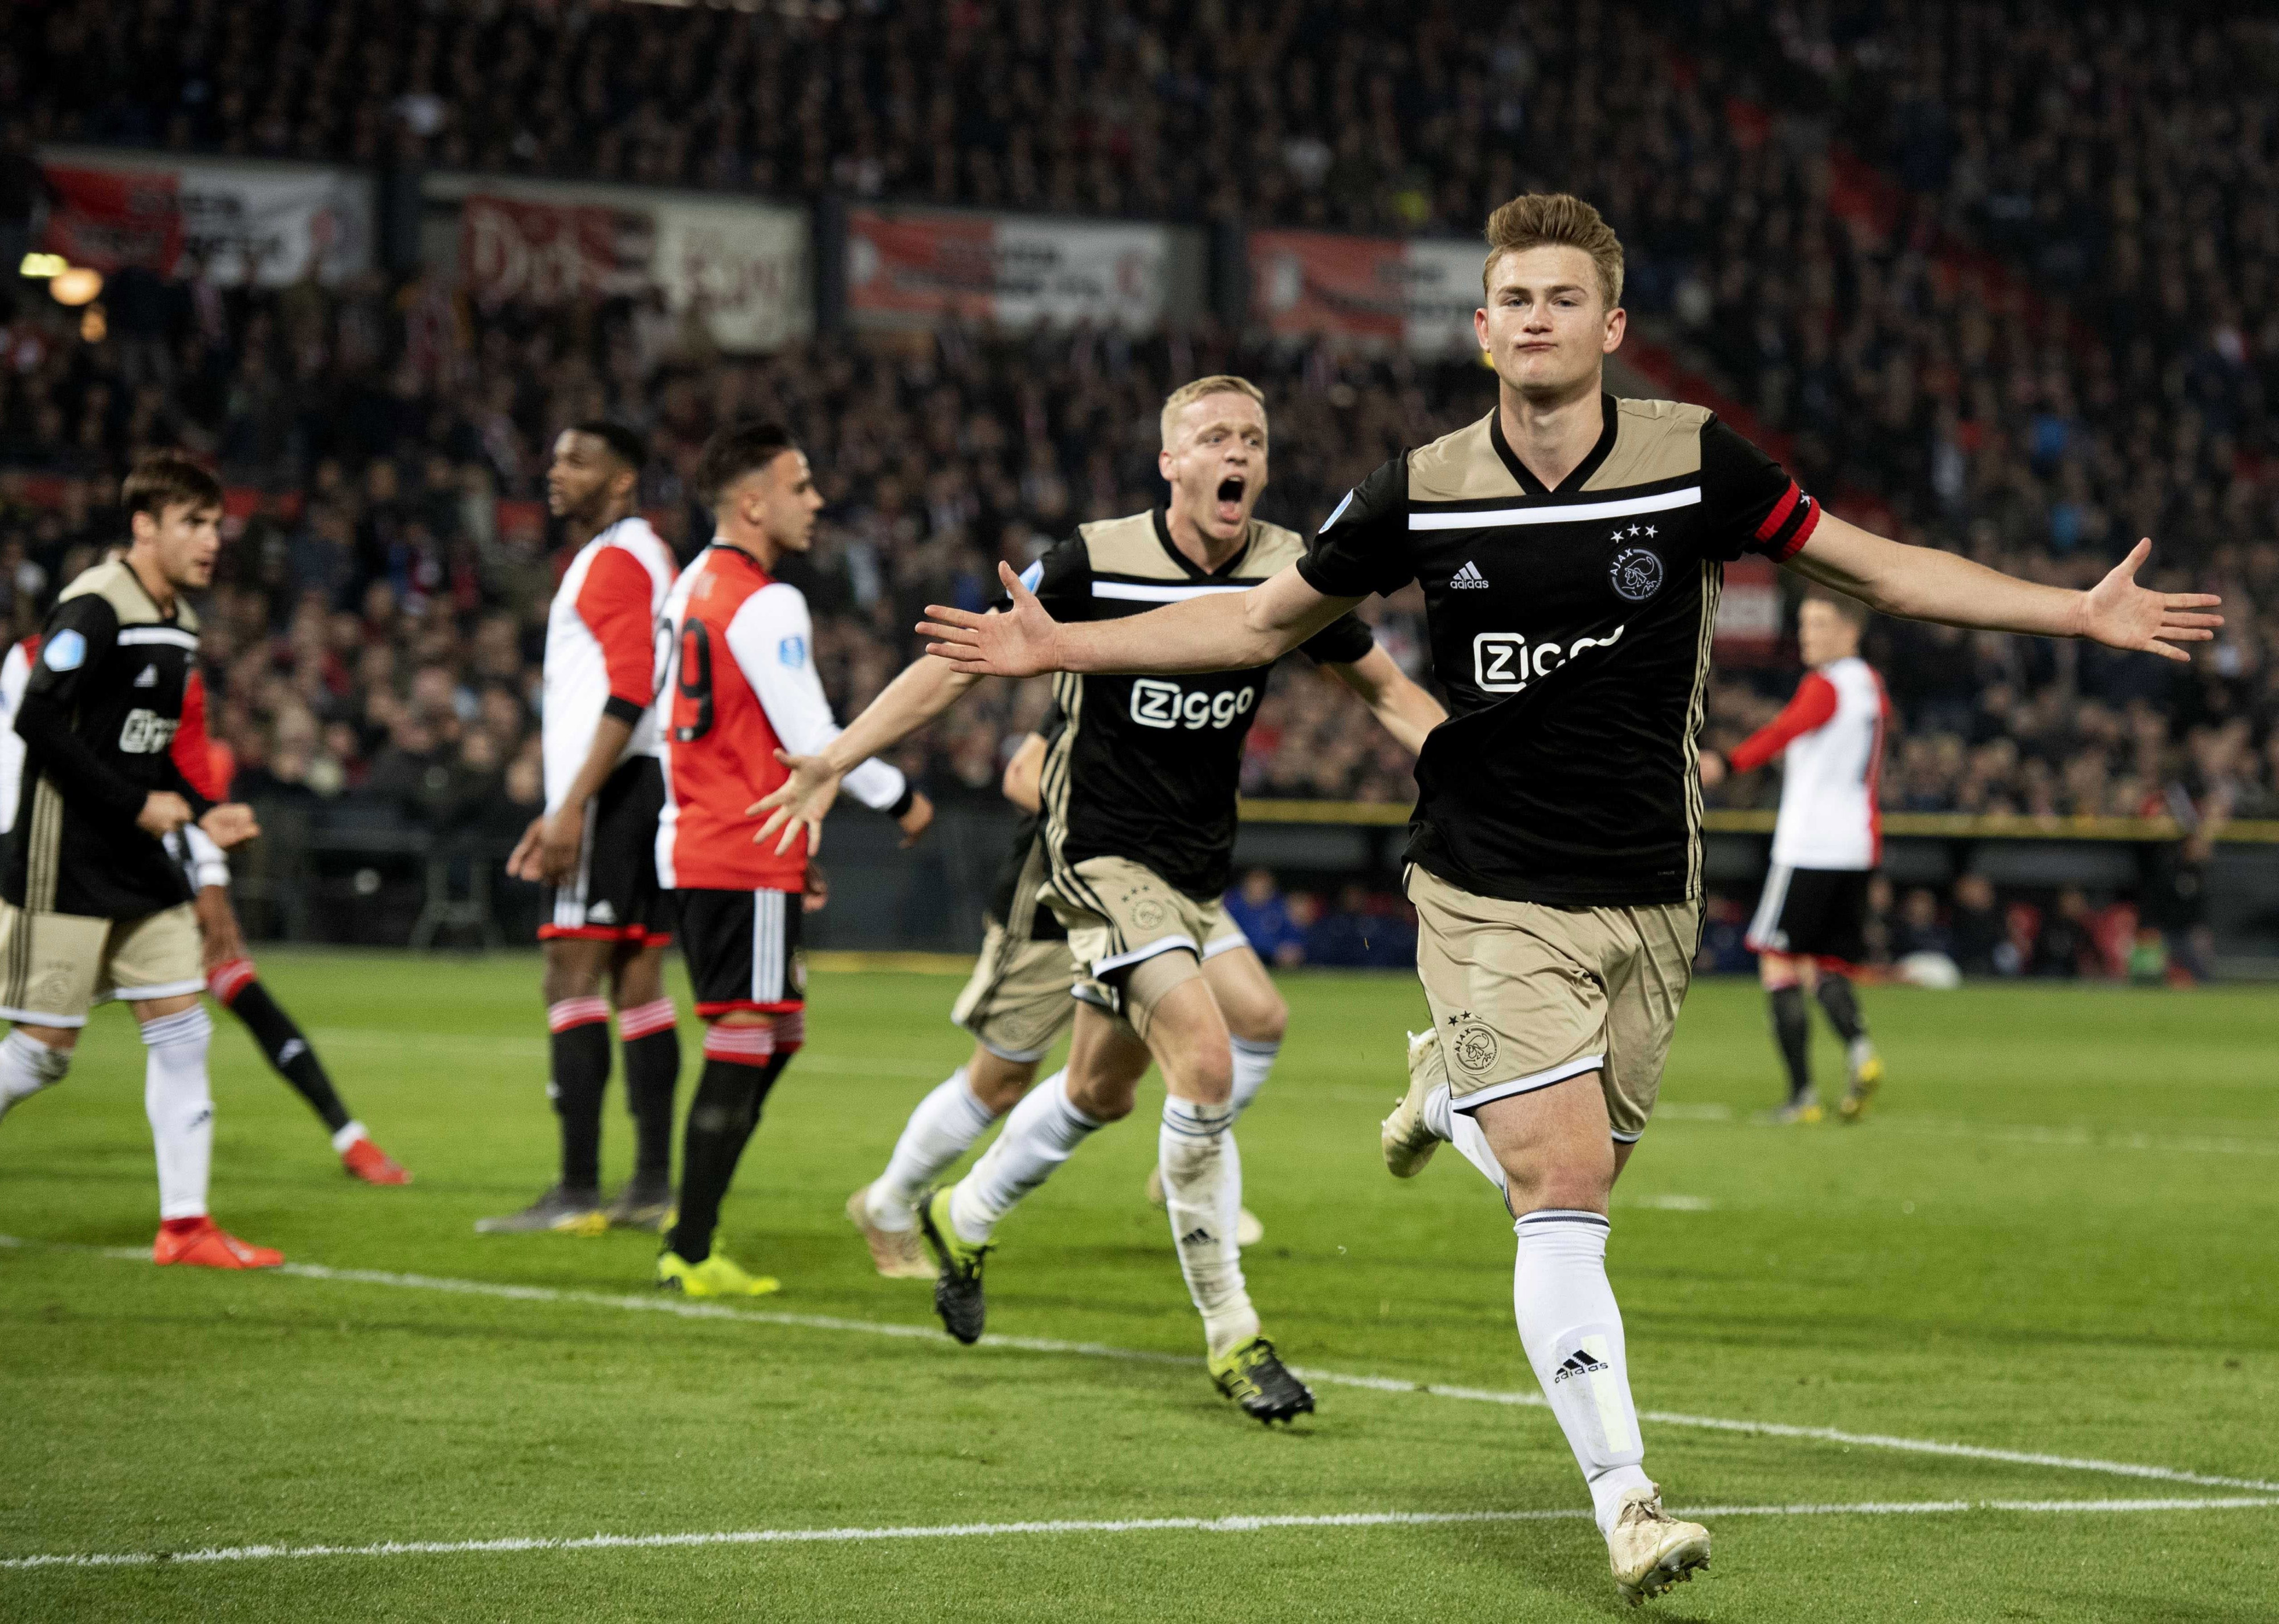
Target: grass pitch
2054, 1240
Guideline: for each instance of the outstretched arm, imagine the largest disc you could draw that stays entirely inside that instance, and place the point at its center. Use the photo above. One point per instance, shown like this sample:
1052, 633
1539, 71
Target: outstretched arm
1401, 708
1921, 583
923, 691
1218, 632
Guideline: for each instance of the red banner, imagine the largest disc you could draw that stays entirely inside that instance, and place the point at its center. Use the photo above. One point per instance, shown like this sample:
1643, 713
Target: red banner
548, 252
111, 217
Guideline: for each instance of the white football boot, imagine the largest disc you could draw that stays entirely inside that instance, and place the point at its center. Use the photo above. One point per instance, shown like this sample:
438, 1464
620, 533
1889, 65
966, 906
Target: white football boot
1650, 1549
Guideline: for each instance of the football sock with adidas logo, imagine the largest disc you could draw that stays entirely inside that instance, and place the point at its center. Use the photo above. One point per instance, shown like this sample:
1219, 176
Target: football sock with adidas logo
1202, 1193
288, 1051
1039, 1134
1572, 1330
942, 1128
179, 1104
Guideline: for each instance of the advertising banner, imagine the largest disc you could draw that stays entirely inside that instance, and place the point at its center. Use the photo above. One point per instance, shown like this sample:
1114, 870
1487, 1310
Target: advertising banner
108, 211
743, 265
1749, 613
1419, 294
910, 266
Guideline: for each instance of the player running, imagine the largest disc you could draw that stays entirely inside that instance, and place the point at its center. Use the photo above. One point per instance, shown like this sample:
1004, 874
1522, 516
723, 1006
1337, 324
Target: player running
1569, 546
91, 904
230, 973
1808, 932
593, 846
740, 688
1139, 794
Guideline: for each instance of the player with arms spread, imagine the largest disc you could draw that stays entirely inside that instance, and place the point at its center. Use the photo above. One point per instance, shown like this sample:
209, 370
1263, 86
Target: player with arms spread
1569, 546
1138, 789
1810, 927
91, 902
593, 847
740, 688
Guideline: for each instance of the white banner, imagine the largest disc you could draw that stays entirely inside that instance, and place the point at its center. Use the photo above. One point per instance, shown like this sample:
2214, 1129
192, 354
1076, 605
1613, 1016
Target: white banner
109, 210
1419, 292
906, 265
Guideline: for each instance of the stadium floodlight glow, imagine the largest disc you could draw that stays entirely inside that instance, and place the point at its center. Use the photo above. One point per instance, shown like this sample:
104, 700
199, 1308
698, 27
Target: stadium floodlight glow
42, 266
75, 284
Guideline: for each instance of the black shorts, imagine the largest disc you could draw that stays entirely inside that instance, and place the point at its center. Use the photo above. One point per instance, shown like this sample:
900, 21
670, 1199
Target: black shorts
1813, 914
743, 950
614, 896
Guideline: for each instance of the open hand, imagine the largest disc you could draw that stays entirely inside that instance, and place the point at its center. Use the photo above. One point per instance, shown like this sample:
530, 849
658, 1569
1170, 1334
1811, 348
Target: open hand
799, 801
231, 824
2119, 614
1021, 641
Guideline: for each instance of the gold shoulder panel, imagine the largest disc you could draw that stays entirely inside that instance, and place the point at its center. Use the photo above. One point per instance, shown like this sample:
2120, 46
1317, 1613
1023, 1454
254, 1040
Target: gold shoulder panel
1460, 467
1654, 440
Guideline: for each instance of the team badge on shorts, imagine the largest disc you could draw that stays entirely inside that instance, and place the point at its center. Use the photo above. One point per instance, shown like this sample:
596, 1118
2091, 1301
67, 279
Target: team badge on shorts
1147, 913
1635, 574
1475, 1048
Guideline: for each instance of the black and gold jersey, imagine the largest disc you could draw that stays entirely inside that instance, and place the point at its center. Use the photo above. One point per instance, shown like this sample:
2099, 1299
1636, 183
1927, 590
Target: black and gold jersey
1571, 630
1147, 767
98, 719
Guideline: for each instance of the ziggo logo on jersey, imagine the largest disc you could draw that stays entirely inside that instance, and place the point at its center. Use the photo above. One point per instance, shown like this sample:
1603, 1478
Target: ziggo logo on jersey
1166, 704
1503, 661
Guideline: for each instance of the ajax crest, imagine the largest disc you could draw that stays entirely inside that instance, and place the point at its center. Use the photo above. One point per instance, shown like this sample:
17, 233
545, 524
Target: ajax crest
1635, 574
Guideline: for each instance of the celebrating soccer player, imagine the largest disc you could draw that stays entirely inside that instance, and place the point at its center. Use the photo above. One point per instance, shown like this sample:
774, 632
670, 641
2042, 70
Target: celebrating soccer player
740, 682
1808, 932
91, 902
595, 844
1569, 546
1139, 794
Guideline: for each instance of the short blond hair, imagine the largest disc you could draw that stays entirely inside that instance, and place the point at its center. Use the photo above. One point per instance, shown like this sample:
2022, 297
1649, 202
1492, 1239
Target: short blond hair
1556, 220
1218, 383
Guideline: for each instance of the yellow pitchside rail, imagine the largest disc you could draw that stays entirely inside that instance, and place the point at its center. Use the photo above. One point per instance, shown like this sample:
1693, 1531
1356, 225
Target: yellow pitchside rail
1938, 825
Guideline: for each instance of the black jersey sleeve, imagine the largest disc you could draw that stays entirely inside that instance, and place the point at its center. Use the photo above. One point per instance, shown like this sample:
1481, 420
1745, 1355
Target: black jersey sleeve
1752, 503
1341, 642
80, 636
1363, 545
1061, 580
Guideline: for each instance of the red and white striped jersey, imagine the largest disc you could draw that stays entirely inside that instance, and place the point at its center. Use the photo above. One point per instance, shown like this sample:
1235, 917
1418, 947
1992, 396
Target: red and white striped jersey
737, 681
1830, 737
600, 649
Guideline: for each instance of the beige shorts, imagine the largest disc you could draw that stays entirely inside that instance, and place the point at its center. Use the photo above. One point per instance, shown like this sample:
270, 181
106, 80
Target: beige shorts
1018, 1003
1524, 994
1119, 913
54, 968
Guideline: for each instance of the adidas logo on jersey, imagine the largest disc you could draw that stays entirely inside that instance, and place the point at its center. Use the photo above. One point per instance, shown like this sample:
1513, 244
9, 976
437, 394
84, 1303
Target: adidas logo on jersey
1468, 578
1577, 1364
149, 678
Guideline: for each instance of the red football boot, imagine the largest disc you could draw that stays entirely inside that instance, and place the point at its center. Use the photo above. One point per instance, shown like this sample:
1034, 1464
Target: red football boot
365, 1160
200, 1244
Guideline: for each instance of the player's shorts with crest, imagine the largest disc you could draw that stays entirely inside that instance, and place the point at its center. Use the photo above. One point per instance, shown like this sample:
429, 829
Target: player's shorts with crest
1118, 913
1524, 994
54, 968
1018, 1002
743, 950
614, 896
1812, 913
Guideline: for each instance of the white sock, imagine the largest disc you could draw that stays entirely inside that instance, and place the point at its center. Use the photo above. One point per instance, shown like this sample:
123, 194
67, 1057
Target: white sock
1202, 1193
1458, 1127
1252, 1060
350, 1132
942, 1128
28, 1066
180, 1108
1040, 1133
1573, 1335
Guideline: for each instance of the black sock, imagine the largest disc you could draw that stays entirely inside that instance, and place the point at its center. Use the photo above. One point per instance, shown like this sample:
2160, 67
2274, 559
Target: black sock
1793, 1031
1842, 1010
721, 1119
580, 1056
652, 1073
289, 1052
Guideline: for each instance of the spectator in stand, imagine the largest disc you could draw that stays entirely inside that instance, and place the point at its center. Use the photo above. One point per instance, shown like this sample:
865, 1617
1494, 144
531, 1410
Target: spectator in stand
1982, 944
2175, 906
1919, 928
2067, 945
1358, 936
1259, 910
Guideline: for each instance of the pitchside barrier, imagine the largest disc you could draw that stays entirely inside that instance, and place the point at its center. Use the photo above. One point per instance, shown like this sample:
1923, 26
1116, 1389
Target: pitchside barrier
355, 876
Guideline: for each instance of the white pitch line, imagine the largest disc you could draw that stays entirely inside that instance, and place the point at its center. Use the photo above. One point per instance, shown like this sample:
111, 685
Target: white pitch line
681, 1308
1125, 1524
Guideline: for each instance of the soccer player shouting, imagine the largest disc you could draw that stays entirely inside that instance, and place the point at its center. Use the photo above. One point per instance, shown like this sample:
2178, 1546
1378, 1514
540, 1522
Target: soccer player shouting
1569, 546
91, 902
1809, 928
595, 846
1139, 787
738, 686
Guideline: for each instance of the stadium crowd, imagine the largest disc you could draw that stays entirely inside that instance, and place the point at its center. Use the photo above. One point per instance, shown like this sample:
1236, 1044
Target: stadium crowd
1971, 291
